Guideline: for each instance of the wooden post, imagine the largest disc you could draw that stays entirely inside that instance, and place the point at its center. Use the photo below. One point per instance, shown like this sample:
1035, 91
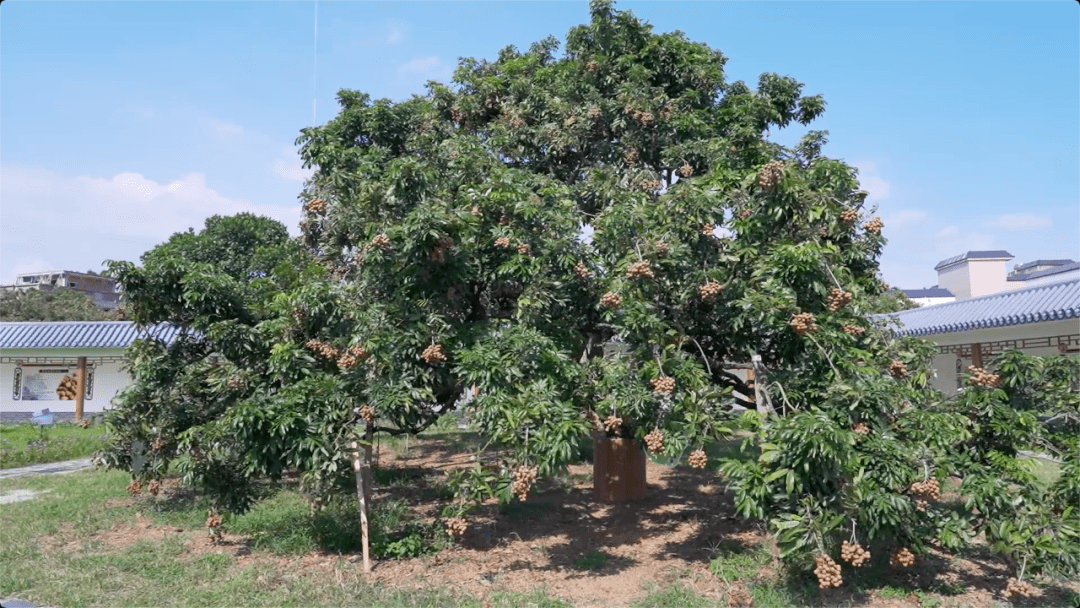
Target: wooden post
80, 391
976, 355
750, 383
361, 495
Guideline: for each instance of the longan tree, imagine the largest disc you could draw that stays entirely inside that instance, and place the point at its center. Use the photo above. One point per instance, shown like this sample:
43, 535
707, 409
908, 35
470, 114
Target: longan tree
595, 242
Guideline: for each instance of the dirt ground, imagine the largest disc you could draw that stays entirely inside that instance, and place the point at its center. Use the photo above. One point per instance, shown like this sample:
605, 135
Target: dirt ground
594, 554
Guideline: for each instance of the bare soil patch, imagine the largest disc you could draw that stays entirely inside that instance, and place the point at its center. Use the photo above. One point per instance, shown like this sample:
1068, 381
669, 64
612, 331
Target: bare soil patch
582, 551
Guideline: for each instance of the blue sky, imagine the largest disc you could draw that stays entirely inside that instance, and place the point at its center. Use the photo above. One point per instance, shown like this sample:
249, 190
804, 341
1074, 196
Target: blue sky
124, 122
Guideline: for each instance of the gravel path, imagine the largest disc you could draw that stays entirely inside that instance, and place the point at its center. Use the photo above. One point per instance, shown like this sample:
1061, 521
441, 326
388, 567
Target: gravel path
49, 467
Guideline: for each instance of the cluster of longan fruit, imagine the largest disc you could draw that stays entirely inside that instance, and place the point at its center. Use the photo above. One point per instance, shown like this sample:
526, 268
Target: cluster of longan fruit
630, 156
433, 354
663, 384
662, 248
154, 487
902, 557
854, 330
135, 487
803, 323
235, 382
456, 526
929, 488
594, 112
581, 271
770, 174
981, 377
504, 220
861, 428
854, 554
838, 298
213, 526
874, 226
639, 270
639, 115
686, 170
610, 300
650, 184
612, 423
159, 444
827, 572
68, 388
709, 291
327, 350
849, 216
744, 213
316, 206
654, 441
898, 369
523, 249
698, 459
367, 413
503, 242
1015, 587
708, 229
523, 479
86, 422
380, 240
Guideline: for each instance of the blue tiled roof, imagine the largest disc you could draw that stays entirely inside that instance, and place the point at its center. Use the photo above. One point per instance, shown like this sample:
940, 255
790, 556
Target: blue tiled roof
1032, 305
79, 334
932, 292
1041, 263
1046, 272
974, 255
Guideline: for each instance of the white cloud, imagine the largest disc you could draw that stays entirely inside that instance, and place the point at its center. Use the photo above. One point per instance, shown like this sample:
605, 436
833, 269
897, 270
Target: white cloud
76, 222
34, 265
421, 65
225, 131
289, 166
1021, 221
947, 232
395, 35
905, 218
869, 180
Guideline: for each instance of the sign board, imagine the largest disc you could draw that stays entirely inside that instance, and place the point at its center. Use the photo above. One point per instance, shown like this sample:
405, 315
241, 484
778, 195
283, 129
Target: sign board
50, 383
42, 417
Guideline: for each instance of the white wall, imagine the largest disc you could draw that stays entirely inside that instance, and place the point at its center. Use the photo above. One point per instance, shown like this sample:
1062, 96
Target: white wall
109, 379
1068, 275
945, 364
955, 279
987, 277
933, 301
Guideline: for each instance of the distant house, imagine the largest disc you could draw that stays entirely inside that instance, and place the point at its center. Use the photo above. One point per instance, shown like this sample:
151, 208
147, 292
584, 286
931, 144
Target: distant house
1042, 272
104, 291
929, 296
1038, 320
37, 357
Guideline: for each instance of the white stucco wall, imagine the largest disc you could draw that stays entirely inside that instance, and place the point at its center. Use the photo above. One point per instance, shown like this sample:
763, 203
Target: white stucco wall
986, 276
955, 279
933, 301
108, 378
945, 364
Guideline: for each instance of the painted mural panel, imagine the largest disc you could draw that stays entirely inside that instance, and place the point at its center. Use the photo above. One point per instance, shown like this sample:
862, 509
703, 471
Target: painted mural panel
49, 383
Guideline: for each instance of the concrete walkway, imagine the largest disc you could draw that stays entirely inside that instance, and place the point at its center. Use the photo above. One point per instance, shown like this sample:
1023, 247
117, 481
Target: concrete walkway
49, 467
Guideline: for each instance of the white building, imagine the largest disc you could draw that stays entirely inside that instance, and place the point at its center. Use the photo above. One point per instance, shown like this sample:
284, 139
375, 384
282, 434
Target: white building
1039, 320
37, 357
104, 291
973, 274
929, 296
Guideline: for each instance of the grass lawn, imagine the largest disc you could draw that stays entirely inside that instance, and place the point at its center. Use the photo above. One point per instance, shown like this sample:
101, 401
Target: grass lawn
84, 541
24, 444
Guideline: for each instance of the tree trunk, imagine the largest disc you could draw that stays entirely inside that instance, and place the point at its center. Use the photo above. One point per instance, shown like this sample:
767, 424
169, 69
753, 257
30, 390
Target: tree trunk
362, 467
618, 469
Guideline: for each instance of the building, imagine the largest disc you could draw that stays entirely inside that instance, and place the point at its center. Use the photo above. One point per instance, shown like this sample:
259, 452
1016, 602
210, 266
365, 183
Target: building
979, 273
1038, 320
1042, 272
40, 362
973, 274
104, 291
929, 296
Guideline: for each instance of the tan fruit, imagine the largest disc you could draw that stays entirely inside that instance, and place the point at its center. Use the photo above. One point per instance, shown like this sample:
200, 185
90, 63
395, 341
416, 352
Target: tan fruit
316, 206
861, 428
827, 572
523, 249
522, 480
654, 441
709, 291
135, 487
433, 354
838, 298
898, 369
854, 554
581, 271
612, 423
686, 170
610, 300
849, 216
902, 557
770, 174
367, 413
503, 242
854, 330
154, 487
874, 226
380, 240
456, 526
663, 384
803, 323
1020, 588
639, 270
698, 459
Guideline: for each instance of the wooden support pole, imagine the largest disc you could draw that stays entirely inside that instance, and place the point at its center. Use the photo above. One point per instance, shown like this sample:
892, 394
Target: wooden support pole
361, 495
80, 391
976, 355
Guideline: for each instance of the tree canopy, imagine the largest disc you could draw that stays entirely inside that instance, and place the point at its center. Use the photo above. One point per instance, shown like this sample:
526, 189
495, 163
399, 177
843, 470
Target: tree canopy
574, 243
60, 304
